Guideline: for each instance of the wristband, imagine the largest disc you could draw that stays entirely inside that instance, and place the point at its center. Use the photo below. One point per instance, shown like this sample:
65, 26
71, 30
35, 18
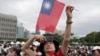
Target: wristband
69, 22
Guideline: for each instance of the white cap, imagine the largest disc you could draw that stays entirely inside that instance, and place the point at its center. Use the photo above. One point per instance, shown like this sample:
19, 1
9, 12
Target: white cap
36, 43
12, 43
22, 43
96, 47
17, 42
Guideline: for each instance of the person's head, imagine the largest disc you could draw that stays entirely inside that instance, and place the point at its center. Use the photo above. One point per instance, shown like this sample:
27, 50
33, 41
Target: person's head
96, 51
13, 49
50, 45
72, 48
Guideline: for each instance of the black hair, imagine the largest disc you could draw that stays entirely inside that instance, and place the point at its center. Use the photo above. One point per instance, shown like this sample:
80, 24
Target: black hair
56, 44
98, 50
17, 51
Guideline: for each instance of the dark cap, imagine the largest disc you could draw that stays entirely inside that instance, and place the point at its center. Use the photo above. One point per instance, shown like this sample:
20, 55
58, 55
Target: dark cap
49, 39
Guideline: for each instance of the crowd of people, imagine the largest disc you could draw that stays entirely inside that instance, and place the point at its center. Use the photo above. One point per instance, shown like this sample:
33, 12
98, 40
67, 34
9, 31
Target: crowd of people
8, 49
46, 45
84, 51
15, 50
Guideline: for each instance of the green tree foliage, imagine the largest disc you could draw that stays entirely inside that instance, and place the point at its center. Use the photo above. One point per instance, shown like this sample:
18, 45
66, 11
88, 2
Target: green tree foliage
21, 39
74, 39
92, 38
58, 37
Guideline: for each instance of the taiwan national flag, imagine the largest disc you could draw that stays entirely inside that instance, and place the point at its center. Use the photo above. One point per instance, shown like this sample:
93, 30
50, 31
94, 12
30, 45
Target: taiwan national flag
49, 15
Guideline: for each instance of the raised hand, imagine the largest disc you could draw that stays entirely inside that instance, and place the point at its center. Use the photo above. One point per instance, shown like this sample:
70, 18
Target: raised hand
69, 10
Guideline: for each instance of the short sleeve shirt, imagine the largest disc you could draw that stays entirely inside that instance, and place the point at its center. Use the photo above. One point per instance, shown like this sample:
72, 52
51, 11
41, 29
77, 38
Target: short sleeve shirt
59, 53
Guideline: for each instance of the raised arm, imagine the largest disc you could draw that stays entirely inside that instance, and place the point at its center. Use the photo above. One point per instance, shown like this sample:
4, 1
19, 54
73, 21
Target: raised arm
26, 47
67, 34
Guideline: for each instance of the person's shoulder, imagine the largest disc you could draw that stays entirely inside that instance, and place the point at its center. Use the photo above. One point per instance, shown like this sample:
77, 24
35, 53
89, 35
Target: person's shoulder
59, 53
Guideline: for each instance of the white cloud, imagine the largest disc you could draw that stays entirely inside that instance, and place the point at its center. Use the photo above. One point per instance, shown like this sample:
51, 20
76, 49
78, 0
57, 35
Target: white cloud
85, 20
22, 6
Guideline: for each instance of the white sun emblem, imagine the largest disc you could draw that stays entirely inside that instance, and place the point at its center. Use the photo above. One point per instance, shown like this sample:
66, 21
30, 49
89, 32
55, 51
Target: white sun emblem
47, 5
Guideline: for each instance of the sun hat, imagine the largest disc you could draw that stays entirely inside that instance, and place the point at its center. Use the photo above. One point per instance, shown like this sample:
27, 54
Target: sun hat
49, 39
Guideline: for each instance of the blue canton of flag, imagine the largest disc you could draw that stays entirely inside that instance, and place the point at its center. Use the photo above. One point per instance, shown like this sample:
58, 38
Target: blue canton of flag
47, 6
